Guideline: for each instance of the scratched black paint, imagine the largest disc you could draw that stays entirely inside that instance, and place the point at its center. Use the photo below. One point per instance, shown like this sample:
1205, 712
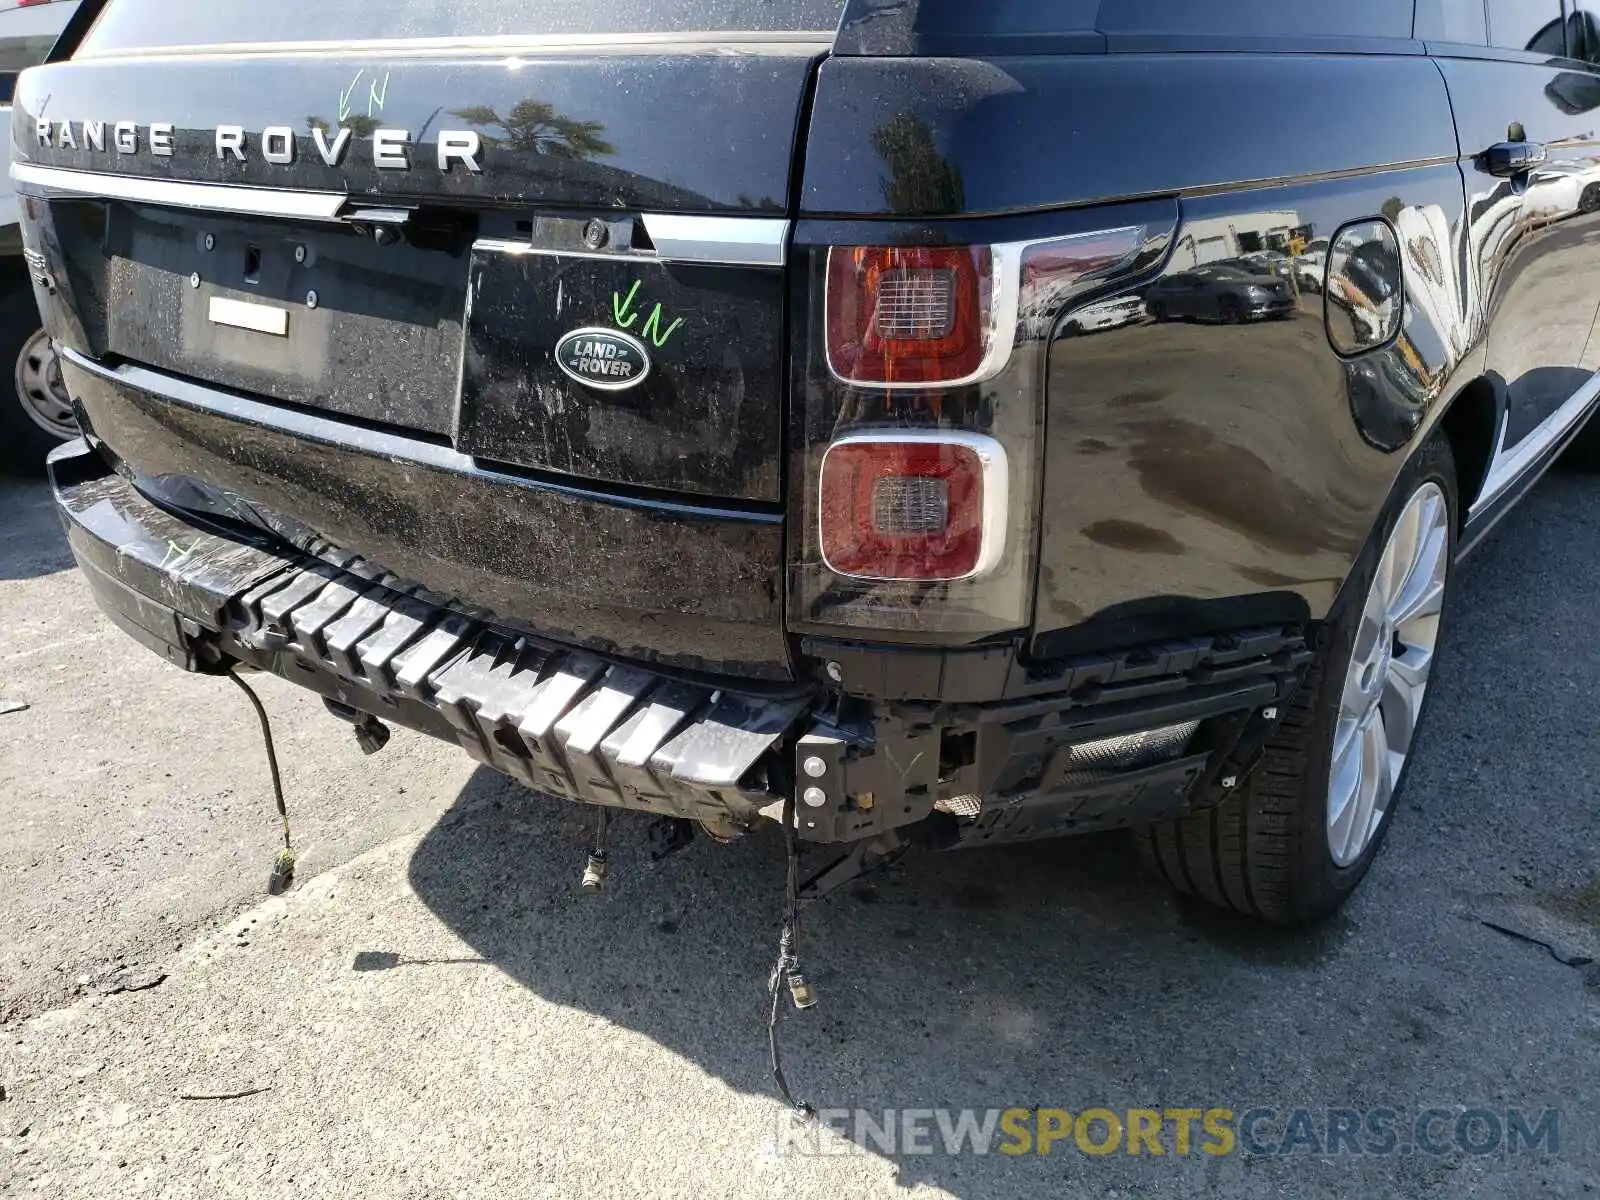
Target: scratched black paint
707, 419
1248, 445
611, 131
382, 341
1041, 132
1198, 473
691, 588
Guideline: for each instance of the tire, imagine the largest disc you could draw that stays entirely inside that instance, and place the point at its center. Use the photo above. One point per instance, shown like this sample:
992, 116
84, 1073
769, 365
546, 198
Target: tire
30, 427
1159, 311
1266, 849
1230, 311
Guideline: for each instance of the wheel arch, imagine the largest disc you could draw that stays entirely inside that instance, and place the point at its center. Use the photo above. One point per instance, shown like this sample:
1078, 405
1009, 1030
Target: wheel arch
1470, 423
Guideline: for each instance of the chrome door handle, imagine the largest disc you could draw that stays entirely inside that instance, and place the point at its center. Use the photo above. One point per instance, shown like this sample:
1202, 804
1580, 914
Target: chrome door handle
1512, 158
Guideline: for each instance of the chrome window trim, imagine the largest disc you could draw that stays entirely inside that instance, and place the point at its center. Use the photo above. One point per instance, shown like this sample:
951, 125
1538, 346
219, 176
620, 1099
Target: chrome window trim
330, 429
1509, 467
710, 41
495, 245
728, 241
173, 193
707, 241
720, 241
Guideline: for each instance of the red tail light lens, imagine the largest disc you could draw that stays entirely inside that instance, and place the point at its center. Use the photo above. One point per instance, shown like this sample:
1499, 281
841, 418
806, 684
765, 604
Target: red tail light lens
913, 505
919, 420
908, 317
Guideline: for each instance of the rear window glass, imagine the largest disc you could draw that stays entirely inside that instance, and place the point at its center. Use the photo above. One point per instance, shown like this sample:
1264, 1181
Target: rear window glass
1452, 21
154, 24
20, 53
1184, 18
28, 32
1536, 28
1259, 18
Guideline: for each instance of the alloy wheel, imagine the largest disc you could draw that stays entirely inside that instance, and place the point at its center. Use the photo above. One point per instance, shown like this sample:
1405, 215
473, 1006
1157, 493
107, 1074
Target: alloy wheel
1388, 674
40, 389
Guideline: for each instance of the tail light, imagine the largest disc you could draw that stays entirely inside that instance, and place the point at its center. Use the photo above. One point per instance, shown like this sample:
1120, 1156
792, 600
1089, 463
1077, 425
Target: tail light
908, 317
919, 427
920, 505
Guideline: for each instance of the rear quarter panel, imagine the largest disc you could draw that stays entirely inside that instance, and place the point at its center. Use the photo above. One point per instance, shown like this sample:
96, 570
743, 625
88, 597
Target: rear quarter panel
1197, 476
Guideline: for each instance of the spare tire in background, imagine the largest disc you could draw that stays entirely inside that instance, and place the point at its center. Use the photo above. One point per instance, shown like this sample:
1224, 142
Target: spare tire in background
36, 413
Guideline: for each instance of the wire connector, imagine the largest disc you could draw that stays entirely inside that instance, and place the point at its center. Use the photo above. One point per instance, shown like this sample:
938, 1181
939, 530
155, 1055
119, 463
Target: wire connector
282, 874
594, 868
799, 990
786, 970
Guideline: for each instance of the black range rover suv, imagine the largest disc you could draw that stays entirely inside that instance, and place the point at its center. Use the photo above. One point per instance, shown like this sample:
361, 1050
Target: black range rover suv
860, 411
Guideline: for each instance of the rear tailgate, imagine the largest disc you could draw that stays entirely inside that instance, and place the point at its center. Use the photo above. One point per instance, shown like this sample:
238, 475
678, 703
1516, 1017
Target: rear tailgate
545, 238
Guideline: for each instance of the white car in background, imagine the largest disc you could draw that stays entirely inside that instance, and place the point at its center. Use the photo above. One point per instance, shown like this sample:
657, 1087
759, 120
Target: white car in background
1310, 265
39, 413
1107, 314
1557, 191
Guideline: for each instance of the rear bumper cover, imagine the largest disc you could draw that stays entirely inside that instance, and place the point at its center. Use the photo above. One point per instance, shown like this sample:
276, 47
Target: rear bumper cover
560, 720
603, 731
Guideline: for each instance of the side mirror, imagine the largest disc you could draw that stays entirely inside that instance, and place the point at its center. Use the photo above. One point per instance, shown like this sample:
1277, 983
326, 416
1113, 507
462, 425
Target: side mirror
1574, 92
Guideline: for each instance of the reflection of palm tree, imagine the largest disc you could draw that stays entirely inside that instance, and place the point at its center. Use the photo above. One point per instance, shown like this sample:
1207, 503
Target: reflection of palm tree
360, 125
922, 182
537, 128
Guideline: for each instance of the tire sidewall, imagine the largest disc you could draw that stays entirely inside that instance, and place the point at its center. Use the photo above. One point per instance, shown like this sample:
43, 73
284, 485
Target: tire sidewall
1327, 881
23, 441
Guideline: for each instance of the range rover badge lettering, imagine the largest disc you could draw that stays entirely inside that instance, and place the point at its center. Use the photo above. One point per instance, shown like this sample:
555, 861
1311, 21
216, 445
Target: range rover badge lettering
603, 358
276, 145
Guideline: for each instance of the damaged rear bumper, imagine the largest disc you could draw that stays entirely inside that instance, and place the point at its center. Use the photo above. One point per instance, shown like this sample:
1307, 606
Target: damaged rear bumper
1115, 740
560, 720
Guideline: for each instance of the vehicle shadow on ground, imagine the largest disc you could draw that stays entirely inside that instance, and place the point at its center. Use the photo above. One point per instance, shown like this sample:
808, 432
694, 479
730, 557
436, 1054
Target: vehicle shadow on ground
1059, 974
31, 541
1056, 974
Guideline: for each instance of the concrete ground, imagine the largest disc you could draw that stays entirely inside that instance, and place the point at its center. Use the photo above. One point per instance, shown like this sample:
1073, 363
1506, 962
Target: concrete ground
436, 1011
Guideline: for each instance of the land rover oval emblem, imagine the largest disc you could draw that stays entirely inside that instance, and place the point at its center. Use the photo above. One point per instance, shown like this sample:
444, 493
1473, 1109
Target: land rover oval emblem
603, 358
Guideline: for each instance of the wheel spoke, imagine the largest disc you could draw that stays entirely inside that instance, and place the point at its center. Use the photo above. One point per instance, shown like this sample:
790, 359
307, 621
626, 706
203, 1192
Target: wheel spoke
1399, 554
1345, 737
1345, 787
1422, 592
1353, 702
1401, 702
1384, 773
1387, 676
1374, 755
1360, 802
